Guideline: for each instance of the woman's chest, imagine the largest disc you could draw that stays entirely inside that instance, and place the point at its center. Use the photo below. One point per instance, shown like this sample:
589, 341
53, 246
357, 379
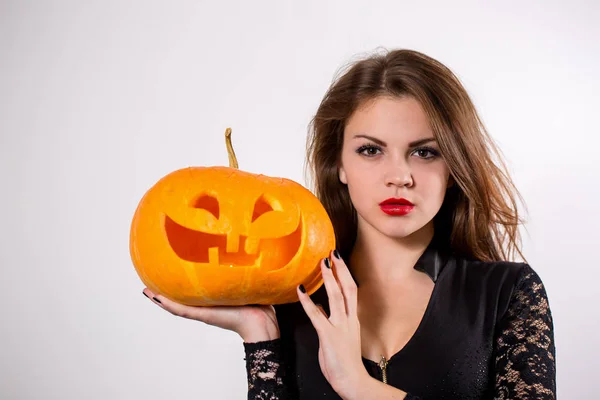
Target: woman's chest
448, 356
442, 363
388, 324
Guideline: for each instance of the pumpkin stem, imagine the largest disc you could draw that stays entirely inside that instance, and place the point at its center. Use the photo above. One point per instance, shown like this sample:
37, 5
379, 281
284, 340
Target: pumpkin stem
232, 159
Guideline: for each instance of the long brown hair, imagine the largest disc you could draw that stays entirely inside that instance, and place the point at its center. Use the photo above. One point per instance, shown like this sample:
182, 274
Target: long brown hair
479, 217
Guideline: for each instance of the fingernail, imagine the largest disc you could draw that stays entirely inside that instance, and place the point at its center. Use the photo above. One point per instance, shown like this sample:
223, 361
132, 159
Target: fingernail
144, 293
327, 263
157, 300
302, 289
336, 254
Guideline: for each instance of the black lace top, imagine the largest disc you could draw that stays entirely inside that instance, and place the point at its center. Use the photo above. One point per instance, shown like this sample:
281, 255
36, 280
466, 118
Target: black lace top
487, 333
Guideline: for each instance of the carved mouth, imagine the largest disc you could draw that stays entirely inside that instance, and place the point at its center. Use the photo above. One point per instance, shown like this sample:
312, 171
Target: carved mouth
210, 249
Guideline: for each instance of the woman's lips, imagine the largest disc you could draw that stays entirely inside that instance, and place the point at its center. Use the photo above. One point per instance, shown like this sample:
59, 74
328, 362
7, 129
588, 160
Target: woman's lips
396, 209
395, 206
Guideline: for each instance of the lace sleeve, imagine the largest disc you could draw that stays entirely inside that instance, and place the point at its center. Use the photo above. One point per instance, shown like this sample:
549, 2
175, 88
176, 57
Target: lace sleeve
265, 371
525, 353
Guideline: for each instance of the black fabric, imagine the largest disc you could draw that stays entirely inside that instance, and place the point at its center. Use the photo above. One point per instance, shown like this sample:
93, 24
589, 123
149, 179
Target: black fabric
487, 333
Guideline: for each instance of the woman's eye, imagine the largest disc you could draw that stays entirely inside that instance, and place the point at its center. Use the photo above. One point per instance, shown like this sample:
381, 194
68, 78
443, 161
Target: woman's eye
369, 151
427, 153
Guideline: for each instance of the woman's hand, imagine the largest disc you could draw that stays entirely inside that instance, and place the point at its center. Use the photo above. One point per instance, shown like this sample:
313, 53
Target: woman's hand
252, 323
340, 355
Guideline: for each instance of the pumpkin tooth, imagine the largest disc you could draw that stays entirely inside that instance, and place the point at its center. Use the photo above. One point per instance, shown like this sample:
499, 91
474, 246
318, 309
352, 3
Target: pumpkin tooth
233, 243
213, 256
258, 261
251, 245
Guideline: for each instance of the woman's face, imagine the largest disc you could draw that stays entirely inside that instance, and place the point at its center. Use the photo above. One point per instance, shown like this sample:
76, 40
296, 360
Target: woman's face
389, 152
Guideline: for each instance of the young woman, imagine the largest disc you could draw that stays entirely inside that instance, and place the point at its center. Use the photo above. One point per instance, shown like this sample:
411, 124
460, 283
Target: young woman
420, 299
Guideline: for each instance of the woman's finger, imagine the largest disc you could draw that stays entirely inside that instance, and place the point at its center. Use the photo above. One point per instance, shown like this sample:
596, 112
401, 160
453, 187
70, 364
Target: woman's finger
315, 314
337, 306
320, 307
179, 310
202, 314
347, 283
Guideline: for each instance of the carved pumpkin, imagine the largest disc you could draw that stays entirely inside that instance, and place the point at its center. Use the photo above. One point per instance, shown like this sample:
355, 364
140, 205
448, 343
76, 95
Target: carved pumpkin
221, 236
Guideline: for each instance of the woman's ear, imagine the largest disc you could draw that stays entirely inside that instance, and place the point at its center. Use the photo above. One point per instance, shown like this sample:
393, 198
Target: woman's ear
342, 175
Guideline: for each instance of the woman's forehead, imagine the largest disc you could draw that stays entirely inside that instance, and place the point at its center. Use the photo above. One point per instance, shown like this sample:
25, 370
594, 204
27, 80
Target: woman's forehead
392, 120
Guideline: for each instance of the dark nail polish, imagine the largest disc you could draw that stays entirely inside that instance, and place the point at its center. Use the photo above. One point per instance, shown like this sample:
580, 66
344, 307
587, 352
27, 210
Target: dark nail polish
327, 263
336, 254
302, 289
157, 300
144, 293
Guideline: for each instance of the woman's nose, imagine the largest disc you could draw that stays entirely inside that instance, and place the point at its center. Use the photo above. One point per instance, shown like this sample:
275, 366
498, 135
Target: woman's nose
399, 175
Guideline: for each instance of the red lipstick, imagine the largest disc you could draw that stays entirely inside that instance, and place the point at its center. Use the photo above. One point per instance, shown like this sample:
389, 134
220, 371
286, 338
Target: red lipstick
395, 207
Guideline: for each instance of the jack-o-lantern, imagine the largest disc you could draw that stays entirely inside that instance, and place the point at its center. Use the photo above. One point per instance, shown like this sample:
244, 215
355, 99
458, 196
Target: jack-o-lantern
206, 236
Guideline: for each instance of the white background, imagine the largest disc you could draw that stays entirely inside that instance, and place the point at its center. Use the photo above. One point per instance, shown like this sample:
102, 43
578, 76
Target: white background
100, 99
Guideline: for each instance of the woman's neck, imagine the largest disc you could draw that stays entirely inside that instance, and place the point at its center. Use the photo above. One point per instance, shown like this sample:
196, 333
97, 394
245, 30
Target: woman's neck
379, 260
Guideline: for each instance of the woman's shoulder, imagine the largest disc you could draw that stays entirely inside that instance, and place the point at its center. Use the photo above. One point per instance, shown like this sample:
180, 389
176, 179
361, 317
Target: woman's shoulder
507, 272
506, 281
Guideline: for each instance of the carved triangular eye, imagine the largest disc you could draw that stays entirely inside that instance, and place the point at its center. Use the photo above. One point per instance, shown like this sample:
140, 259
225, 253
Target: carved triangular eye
260, 208
208, 203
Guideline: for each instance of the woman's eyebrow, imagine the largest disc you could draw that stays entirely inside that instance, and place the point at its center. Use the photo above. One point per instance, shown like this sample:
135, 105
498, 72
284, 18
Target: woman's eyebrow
421, 142
384, 144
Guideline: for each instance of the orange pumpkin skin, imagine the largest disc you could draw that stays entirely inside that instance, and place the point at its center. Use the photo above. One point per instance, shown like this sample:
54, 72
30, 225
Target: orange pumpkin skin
216, 236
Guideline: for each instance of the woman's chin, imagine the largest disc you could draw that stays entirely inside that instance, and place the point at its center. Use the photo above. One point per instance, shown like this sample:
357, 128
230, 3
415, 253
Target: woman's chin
403, 230
397, 228
397, 233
